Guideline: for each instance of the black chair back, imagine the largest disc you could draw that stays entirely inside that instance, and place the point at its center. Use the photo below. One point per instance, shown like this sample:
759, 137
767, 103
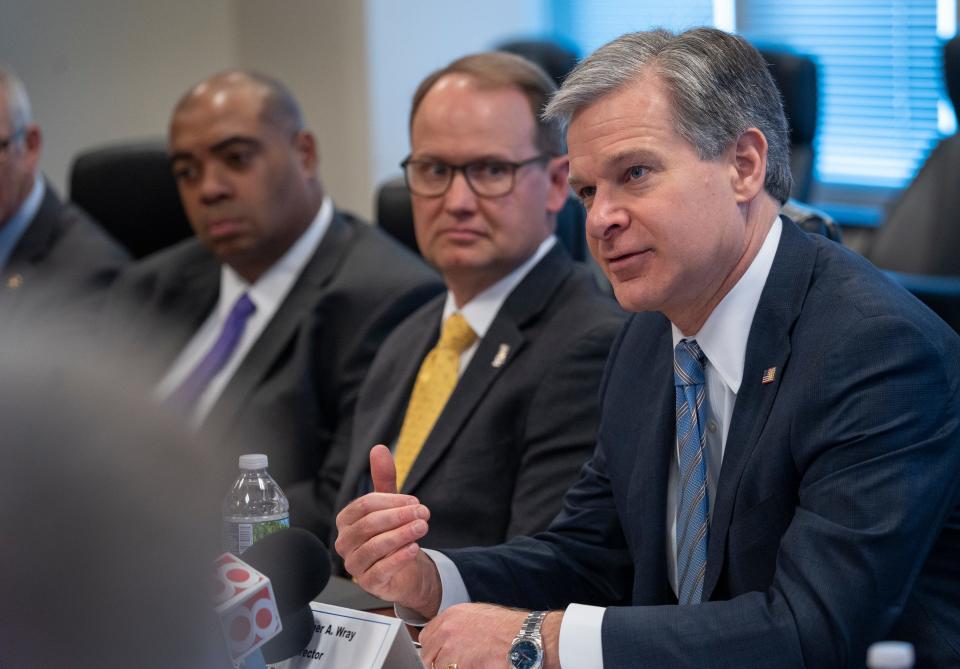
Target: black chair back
918, 242
394, 214
796, 77
130, 190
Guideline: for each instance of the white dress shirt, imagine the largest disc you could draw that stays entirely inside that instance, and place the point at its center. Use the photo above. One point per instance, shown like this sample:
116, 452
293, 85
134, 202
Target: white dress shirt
723, 340
267, 293
484, 307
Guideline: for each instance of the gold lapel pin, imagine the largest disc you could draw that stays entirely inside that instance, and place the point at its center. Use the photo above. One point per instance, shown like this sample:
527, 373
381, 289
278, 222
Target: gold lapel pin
501, 356
14, 281
769, 375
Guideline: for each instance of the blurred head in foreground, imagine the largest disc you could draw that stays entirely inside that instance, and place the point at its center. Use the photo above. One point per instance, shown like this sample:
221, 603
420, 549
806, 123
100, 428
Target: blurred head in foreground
109, 525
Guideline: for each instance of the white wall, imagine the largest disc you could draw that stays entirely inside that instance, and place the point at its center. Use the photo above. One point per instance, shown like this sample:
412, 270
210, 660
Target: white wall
102, 70
408, 40
318, 48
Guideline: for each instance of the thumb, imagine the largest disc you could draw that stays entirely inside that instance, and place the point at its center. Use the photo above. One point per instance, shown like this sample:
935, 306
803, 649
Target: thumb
382, 470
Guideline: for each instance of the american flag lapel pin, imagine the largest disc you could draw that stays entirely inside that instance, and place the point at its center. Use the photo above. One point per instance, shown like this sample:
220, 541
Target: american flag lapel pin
769, 375
501, 356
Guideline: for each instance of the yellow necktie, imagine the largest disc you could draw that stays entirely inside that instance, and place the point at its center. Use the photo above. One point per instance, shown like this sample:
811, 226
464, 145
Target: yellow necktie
435, 382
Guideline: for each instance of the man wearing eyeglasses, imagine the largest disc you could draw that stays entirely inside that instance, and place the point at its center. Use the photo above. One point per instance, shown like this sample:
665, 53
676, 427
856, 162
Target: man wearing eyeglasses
487, 396
54, 261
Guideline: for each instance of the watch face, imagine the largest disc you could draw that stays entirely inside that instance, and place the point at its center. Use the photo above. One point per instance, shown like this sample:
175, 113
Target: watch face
525, 654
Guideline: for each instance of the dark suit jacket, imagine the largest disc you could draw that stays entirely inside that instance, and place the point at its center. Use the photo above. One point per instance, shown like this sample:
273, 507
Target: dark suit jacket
293, 395
516, 429
836, 520
59, 269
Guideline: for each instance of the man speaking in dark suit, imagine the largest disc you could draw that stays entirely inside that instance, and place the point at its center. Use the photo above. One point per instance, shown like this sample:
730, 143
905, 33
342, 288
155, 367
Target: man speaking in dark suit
775, 482
488, 395
55, 263
260, 330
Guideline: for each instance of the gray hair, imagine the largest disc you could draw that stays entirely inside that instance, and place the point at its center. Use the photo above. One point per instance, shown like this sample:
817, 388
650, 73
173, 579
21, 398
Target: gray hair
719, 85
18, 104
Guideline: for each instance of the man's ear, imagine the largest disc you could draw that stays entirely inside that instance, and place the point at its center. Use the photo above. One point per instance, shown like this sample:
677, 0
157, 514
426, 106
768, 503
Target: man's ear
558, 169
749, 165
32, 142
306, 146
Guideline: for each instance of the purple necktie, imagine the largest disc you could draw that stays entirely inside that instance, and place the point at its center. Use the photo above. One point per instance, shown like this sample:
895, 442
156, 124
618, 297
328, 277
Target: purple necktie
184, 398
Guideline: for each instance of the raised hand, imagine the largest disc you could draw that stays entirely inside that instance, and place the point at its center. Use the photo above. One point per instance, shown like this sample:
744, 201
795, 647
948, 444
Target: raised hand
377, 539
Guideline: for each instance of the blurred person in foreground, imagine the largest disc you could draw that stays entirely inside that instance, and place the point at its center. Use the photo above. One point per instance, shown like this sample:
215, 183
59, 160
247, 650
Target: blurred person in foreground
260, 330
829, 394
110, 522
488, 394
54, 260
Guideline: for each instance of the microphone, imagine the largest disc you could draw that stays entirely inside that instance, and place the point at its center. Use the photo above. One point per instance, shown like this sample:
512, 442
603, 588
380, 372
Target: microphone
298, 566
246, 605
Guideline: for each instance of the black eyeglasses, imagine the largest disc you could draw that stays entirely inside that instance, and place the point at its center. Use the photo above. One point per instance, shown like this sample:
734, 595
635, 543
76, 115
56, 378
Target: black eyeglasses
10, 139
486, 178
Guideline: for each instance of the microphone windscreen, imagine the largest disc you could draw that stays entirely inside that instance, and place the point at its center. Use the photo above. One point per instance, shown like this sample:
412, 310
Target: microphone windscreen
297, 564
297, 632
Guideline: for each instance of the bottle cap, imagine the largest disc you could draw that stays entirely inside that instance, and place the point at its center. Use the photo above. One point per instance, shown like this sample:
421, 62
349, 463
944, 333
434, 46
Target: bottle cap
890, 655
253, 461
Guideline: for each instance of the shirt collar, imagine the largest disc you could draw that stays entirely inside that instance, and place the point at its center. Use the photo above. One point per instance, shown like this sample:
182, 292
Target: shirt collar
482, 309
13, 229
723, 337
269, 291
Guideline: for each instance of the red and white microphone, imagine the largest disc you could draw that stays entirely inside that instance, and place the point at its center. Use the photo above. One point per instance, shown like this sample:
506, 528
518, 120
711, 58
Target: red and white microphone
246, 606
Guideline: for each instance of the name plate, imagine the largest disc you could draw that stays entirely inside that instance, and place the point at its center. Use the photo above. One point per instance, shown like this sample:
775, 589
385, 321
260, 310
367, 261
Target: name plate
350, 639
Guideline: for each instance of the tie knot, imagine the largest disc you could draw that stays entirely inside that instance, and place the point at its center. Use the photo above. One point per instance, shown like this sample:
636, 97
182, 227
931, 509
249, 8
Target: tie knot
456, 334
688, 364
242, 308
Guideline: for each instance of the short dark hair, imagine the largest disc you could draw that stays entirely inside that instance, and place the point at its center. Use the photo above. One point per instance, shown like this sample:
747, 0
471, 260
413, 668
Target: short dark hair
280, 108
496, 69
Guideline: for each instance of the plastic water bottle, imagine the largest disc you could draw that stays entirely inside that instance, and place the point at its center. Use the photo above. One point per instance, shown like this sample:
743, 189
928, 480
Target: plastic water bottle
890, 655
254, 507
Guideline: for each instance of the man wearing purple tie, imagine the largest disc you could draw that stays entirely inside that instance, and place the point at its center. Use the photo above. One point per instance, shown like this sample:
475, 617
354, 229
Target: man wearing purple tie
262, 327
775, 482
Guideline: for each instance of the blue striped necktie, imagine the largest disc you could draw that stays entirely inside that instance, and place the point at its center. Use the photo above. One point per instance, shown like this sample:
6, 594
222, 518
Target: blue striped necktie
693, 506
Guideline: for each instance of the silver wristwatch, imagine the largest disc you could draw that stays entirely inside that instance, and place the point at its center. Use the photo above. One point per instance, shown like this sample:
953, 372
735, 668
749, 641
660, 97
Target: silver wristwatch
526, 651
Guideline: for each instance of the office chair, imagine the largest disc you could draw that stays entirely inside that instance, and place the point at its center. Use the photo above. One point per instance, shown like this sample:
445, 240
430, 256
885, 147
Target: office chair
919, 242
796, 77
394, 214
812, 219
556, 59
130, 190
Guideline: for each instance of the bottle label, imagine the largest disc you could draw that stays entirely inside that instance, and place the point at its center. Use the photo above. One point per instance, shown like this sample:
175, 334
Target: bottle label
239, 536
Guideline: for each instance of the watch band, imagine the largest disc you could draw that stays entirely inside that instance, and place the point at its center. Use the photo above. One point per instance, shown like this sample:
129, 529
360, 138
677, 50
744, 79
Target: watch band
529, 635
531, 626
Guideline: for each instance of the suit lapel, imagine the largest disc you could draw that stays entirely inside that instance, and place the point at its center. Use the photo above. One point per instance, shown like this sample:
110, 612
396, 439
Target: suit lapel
286, 323
768, 346
647, 500
496, 351
177, 310
37, 240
